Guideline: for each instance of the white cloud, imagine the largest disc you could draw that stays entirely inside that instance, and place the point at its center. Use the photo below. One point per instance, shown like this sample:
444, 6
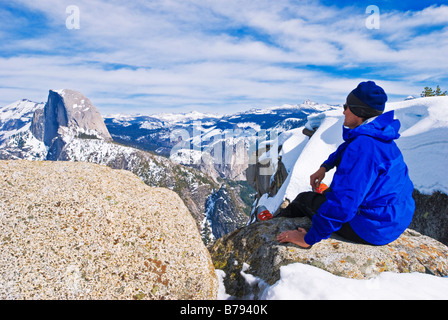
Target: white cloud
212, 54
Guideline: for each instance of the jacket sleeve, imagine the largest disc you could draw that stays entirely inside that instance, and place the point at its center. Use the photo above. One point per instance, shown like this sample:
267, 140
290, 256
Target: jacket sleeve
352, 180
334, 158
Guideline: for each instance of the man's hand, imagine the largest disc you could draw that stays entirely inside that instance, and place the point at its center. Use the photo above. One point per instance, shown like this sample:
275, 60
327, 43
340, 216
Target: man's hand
317, 177
294, 236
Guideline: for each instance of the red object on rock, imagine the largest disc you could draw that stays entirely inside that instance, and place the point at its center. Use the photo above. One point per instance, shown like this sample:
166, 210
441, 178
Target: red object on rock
264, 214
322, 188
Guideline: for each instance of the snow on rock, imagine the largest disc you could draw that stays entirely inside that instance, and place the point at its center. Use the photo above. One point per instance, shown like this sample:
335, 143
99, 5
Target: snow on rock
314, 121
424, 141
300, 281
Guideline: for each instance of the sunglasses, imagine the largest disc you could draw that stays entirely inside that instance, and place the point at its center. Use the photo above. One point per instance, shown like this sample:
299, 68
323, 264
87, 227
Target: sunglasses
362, 111
352, 106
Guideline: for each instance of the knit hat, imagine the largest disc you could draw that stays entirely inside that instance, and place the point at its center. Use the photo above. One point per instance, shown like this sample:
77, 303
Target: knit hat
367, 100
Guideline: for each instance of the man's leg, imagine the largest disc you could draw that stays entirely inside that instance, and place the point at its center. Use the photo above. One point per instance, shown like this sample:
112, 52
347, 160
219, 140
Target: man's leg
348, 233
307, 204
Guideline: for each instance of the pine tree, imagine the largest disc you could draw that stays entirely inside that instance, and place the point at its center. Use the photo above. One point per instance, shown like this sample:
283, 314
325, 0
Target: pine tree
428, 92
439, 92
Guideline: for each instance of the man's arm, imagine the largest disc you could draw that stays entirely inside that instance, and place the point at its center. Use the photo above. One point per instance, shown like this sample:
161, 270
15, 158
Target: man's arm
334, 158
332, 161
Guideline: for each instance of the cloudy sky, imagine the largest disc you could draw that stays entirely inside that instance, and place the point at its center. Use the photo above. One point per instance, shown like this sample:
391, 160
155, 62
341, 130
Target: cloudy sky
220, 56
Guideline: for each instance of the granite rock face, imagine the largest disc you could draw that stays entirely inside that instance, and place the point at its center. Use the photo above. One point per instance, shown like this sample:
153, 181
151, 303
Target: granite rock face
84, 231
67, 113
254, 250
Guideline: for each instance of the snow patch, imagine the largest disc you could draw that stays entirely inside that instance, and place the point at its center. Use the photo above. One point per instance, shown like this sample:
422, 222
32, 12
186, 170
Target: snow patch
304, 282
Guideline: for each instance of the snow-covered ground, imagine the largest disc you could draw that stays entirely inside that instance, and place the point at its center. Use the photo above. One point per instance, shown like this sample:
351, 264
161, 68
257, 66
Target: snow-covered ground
299, 281
424, 144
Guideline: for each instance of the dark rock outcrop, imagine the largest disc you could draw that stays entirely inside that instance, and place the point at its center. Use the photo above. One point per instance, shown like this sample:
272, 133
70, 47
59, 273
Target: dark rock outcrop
431, 215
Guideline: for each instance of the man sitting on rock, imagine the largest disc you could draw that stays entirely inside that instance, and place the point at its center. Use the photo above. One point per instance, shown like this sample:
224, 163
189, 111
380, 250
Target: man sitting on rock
370, 199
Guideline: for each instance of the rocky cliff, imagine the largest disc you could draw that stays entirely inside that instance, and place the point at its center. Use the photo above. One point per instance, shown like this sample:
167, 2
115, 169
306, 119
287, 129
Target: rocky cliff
84, 231
254, 251
223, 214
67, 113
431, 215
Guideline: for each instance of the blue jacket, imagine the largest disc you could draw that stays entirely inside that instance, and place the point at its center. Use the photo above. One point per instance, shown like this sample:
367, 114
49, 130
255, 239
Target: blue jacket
371, 189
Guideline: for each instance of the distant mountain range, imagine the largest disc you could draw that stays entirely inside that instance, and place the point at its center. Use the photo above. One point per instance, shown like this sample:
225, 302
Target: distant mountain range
202, 135
153, 132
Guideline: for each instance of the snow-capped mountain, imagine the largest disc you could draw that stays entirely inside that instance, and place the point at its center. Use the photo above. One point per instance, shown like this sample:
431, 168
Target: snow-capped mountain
184, 117
16, 139
38, 131
67, 115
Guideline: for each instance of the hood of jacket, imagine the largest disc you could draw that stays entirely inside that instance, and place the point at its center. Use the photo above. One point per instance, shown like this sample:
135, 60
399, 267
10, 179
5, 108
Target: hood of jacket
384, 127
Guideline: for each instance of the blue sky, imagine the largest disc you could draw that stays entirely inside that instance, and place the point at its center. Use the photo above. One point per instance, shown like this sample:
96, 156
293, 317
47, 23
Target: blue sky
219, 56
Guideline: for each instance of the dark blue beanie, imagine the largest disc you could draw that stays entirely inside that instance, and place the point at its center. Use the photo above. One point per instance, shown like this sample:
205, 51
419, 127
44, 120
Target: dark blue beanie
371, 95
